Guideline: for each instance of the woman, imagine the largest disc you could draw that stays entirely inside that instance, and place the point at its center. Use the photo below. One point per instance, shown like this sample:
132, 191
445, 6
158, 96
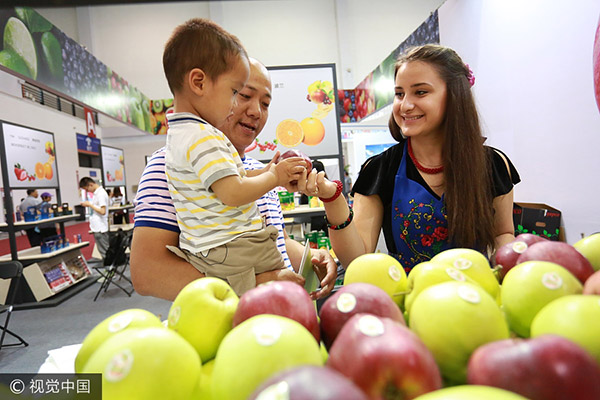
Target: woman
439, 187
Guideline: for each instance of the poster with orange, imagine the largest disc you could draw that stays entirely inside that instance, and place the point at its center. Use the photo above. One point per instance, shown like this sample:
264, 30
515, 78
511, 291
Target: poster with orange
30, 157
302, 114
113, 165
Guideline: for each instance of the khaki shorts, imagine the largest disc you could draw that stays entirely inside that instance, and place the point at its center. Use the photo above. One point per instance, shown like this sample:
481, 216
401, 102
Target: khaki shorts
240, 260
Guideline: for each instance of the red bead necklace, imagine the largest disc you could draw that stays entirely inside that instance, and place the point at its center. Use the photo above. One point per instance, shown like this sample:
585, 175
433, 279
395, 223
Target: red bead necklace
431, 171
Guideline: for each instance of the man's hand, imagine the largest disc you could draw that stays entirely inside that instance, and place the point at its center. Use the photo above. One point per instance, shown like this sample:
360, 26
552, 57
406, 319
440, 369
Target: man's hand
86, 204
326, 269
284, 274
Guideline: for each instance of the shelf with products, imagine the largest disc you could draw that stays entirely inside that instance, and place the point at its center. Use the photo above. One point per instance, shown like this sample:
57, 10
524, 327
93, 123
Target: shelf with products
29, 224
53, 275
35, 254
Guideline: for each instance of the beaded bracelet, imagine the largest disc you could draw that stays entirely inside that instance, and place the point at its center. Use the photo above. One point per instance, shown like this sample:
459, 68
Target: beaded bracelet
338, 191
343, 224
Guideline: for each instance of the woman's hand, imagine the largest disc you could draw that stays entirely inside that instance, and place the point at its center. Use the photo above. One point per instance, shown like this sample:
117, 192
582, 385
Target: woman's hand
326, 269
315, 184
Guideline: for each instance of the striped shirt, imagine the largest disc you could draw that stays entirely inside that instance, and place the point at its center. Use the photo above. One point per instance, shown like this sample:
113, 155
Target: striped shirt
197, 155
154, 206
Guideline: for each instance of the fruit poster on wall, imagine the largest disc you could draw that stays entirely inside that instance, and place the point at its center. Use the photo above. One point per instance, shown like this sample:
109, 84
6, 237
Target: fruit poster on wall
30, 157
303, 113
35, 49
113, 164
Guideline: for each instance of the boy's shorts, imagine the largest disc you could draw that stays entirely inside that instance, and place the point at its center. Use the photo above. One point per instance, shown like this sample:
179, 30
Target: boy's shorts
240, 260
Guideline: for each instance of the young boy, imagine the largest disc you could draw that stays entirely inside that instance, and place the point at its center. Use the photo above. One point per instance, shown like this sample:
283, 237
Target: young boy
222, 233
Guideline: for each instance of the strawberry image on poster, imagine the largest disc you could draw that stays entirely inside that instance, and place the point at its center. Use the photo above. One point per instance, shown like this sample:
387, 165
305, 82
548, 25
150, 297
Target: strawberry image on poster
597, 65
20, 173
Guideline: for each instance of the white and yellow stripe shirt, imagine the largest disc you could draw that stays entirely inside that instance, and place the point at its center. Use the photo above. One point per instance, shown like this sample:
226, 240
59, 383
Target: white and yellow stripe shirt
198, 155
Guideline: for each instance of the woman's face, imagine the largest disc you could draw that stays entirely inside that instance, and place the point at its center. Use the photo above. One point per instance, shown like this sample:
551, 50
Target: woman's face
420, 99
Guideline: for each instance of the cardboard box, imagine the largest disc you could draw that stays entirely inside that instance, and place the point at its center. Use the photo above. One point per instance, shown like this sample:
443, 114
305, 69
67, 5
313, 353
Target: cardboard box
539, 219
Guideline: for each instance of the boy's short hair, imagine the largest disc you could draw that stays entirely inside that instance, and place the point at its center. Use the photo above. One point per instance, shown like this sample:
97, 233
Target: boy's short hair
84, 182
199, 43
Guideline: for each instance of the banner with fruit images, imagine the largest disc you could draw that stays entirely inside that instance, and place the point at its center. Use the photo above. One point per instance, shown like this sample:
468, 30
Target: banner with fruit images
158, 116
377, 89
303, 113
37, 50
30, 157
113, 164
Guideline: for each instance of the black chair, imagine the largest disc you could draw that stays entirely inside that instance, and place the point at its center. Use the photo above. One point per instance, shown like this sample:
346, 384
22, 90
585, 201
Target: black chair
115, 263
10, 270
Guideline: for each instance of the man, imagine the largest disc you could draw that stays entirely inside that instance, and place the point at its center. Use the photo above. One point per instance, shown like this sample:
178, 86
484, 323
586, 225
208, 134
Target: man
99, 217
47, 229
158, 272
33, 234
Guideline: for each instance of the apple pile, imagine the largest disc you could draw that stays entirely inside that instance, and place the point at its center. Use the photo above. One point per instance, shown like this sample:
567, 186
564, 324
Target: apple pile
447, 330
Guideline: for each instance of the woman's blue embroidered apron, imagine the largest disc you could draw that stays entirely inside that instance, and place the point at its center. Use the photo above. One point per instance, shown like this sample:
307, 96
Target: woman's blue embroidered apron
419, 222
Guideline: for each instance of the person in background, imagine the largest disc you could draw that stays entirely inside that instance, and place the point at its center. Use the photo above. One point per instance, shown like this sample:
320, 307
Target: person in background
155, 271
99, 217
439, 187
47, 229
32, 200
116, 200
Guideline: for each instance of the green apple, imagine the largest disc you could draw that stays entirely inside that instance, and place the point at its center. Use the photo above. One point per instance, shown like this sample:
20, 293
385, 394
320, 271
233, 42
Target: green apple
575, 317
146, 363
131, 318
473, 264
203, 389
381, 270
258, 348
589, 246
453, 319
529, 286
471, 392
427, 274
203, 314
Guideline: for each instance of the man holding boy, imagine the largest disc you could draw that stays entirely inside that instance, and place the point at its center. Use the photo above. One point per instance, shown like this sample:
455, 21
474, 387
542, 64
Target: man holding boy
222, 232
156, 271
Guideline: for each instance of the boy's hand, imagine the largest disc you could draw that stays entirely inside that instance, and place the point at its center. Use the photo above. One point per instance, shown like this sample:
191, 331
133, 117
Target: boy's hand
288, 170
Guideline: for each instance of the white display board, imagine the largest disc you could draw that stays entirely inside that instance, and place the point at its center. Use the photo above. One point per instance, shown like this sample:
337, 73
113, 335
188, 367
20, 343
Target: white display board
295, 122
30, 157
113, 165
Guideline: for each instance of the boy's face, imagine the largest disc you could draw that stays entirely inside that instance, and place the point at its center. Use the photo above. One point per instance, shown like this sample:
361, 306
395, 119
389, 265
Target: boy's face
221, 92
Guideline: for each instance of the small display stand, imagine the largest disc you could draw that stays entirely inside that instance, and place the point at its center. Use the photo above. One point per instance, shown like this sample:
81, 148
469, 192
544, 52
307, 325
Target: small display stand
28, 161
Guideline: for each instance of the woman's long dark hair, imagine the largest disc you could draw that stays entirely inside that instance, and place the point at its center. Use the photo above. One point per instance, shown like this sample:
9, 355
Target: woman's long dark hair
467, 171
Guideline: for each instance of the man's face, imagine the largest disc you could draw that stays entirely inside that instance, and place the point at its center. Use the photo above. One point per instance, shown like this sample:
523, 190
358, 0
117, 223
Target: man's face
35, 194
250, 114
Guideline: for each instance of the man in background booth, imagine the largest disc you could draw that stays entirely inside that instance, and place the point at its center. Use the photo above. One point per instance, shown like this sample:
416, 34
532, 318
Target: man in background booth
32, 200
99, 217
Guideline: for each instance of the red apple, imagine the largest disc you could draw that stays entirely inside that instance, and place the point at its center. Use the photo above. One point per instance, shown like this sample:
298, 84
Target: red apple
318, 96
562, 254
507, 255
352, 299
384, 358
283, 298
297, 153
547, 367
299, 384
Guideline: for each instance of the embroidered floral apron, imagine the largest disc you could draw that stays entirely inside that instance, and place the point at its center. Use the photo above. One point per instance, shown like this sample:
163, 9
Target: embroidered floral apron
419, 222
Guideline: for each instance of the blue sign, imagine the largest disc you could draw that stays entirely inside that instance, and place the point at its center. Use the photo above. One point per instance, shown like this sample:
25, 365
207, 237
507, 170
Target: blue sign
88, 145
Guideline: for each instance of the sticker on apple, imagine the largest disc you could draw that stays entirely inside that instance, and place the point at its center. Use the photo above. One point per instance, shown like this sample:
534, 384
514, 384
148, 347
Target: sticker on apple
174, 315
370, 325
267, 333
469, 294
462, 263
552, 280
346, 302
119, 366
278, 391
455, 274
119, 323
394, 273
519, 247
